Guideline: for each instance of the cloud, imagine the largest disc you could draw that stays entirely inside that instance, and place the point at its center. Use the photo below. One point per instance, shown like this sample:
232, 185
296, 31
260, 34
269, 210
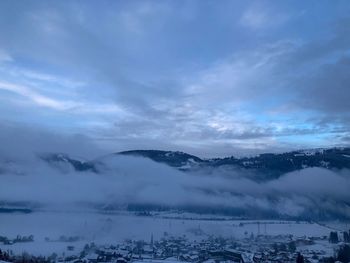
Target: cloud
327, 89
36, 97
5, 57
134, 181
67, 99
124, 180
22, 142
260, 16
240, 76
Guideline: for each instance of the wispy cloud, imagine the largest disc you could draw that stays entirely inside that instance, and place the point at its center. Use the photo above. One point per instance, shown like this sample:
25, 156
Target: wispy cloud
260, 16
37, 98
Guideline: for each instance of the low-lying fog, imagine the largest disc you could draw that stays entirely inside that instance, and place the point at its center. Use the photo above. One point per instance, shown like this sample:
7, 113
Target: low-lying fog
124, 180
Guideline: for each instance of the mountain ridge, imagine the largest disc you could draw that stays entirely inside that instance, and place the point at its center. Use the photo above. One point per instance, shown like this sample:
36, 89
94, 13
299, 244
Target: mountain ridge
271, 165
266, 166
261, 168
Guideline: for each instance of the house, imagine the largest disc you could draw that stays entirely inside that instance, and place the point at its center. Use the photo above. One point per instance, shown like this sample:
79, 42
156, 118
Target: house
92, 258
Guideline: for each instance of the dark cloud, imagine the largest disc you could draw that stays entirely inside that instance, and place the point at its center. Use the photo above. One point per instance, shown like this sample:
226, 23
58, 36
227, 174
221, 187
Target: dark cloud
327, 89
25, 142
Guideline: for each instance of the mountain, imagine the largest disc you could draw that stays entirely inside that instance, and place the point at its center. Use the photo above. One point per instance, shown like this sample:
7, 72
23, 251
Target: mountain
178, 160
59, 159
264, 166
271, 165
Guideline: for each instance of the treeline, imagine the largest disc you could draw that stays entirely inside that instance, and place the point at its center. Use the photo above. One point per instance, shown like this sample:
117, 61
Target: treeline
334, 237
18, 239
24, 258
343, 255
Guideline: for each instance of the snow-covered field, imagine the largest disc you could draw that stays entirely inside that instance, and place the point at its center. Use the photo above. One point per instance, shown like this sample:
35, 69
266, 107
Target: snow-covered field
112, 228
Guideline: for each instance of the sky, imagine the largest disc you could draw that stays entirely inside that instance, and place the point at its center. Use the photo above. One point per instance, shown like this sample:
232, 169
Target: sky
212, 78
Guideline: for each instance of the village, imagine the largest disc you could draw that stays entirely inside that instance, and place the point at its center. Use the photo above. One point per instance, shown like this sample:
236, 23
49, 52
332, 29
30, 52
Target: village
251, 249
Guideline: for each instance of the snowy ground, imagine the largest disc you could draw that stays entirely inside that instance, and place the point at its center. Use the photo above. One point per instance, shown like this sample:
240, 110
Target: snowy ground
112, 228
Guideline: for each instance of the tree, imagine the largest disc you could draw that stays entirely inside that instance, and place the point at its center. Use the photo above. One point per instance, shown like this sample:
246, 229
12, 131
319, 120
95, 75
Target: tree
344, 254
300, 258
291, 246
346, 237
333, 237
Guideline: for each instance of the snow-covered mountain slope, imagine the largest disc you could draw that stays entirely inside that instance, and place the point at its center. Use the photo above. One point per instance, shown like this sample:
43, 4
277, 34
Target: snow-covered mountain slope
264, 166
262, 186
178, 160
60, 160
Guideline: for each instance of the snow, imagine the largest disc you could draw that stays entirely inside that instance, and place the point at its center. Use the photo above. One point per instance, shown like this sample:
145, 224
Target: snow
110, 228
169, 260
322, 246
310, 152
324, 164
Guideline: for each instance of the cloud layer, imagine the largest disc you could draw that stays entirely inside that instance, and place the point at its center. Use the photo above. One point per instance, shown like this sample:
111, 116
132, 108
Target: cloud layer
136, 182
187, 75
